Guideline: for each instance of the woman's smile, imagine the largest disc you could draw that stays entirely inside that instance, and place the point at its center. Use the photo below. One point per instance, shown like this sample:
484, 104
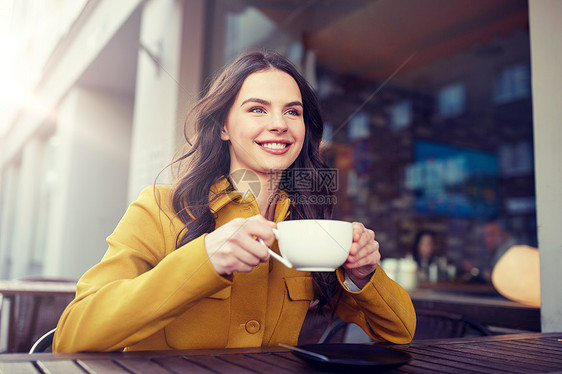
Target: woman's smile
276, 148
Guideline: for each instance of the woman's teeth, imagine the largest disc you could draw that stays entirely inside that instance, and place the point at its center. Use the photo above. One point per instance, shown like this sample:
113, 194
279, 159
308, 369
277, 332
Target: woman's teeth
274, 145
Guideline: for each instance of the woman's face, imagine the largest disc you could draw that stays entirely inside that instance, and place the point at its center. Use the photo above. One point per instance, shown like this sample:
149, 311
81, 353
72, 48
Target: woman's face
265, 125
426, 246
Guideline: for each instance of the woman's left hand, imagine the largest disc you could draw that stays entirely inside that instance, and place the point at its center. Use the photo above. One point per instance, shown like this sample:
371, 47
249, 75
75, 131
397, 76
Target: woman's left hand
364, 255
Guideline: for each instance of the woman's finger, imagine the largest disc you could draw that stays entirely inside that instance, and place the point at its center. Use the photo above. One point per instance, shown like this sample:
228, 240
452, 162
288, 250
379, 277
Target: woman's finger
367, 236
259, 227
233, 246
358, 229
371, 250
361, 248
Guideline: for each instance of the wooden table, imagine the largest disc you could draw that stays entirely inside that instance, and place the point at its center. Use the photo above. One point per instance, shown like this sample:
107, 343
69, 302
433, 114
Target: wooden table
521, 353
478, 302
10, 289
475, 289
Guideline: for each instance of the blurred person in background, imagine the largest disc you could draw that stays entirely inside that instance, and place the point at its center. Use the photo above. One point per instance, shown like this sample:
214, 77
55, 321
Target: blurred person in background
497, 240
423, 253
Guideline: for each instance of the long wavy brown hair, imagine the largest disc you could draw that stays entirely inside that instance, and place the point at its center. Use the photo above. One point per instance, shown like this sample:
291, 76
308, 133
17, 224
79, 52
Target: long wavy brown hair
207, 159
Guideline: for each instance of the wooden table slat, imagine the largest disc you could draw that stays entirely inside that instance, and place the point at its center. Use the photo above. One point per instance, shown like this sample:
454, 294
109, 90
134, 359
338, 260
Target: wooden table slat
469, 361
60, 366
455, 364
139, 365
408, 369
254, 364
286, 361
436, 367
18, 368
180, 365
215, 361
536, 346
472, 362
101, 366
494, 355
289, 356
538, 353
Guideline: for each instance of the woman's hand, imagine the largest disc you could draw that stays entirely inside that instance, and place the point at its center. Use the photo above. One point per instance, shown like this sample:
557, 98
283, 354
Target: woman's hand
364, 255
233, 246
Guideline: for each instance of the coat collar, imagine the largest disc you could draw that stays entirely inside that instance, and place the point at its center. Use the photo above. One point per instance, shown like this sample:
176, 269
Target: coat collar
222, 194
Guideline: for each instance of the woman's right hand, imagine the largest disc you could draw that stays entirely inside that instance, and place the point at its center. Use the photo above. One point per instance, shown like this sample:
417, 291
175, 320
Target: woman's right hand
233, 246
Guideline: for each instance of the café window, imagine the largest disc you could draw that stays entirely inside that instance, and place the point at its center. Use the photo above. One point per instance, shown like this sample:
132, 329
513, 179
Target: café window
327, 134
512, 83
359, 127
451, 100
453, 181
413, 121
401, 115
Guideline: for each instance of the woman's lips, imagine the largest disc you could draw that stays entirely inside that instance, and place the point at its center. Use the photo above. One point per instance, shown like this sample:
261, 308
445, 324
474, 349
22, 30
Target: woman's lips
276, 148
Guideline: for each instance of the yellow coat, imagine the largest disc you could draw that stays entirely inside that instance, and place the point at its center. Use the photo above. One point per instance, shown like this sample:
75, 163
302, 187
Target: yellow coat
147, 295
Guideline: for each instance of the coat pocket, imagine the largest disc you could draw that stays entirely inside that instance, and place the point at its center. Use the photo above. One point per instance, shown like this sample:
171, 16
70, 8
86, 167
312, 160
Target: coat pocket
300, 288
298, 293
222, 294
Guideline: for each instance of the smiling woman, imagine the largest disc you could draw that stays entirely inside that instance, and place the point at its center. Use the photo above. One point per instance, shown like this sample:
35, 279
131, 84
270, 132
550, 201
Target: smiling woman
184, 269
265, 126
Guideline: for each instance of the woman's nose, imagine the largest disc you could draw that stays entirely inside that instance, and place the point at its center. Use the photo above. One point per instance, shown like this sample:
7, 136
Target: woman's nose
278, 124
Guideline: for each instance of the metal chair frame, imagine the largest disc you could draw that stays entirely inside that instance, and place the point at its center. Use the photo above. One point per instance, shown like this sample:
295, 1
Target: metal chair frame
43, 343
436, 324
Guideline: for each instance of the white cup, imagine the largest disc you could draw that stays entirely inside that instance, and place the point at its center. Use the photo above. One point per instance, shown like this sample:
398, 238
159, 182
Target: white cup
408, 277
390, 266
313, 244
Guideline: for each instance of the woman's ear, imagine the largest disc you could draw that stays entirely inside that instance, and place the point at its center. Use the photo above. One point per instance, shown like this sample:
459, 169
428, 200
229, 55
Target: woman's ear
224, 134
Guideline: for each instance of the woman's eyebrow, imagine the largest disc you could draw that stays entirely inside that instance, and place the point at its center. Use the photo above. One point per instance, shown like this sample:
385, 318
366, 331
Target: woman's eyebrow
256, 100
268, 103
294, 103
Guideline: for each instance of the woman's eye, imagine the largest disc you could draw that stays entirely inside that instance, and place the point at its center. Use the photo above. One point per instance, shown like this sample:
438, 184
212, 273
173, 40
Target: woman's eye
293, 112
257, 110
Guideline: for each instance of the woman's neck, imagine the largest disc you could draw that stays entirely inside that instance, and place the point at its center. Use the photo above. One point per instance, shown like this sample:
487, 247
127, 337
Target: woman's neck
266, 199
265, 192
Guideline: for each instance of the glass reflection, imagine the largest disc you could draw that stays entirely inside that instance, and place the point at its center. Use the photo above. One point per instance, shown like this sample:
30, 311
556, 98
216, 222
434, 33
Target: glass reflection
428, 112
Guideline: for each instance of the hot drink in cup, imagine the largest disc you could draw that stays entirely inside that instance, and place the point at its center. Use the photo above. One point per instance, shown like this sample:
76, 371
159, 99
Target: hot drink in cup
313, 244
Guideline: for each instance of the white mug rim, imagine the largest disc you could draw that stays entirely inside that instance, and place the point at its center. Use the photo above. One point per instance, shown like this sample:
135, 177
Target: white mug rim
336, 221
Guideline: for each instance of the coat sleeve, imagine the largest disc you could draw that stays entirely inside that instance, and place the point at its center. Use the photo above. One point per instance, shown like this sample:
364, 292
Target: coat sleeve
142, 283
382, 308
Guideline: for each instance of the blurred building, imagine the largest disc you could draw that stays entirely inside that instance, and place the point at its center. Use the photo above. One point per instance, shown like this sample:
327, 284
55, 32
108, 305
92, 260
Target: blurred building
104, 115
428, 108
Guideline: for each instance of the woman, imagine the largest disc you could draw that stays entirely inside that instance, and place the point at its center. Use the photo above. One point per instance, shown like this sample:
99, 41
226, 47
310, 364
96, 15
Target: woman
424, 253
184, 269
424, 247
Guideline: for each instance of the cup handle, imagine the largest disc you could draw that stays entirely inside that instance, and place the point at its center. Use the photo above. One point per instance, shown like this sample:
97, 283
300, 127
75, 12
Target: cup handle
279, 258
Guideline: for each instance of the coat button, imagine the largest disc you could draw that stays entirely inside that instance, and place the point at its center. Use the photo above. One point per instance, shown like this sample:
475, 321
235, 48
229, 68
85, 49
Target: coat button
252, 326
